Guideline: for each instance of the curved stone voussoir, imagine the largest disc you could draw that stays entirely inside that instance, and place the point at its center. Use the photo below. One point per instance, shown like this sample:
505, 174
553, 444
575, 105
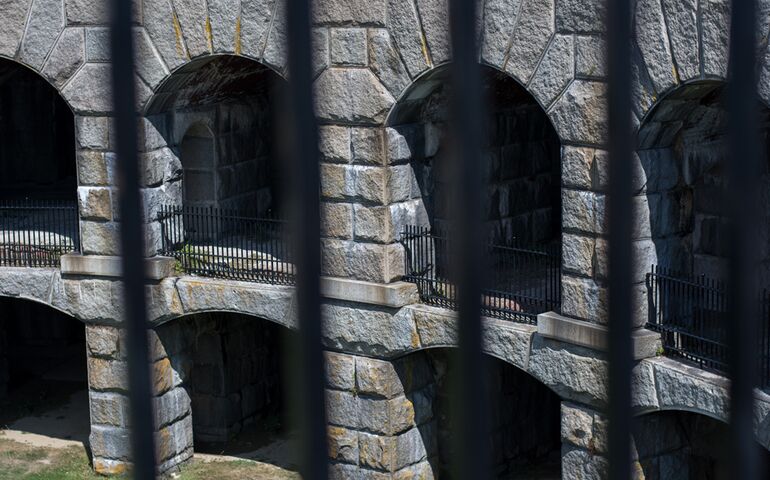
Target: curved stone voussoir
642, 90
385, 61
580, 114
196, 29
149, 66
67, 55
275, 54
508, 341
164, 30
682, 23
534, 27
90, 300
35, 284
351, 95
499, 22
434, 16
224, 18
555, 71
269, 302
404, 27
652, 38
683, 387
368, 330
46, 20
163, 301
575, 373
715, 24
89, 90
14, 19
256, 16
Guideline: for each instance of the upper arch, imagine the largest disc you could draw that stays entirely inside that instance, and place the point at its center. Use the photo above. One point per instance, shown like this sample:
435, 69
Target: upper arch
207, 79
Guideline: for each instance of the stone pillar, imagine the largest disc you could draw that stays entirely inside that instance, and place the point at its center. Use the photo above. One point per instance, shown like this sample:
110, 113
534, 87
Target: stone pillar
380, 414
170, 347
584, 443
108, 399
96, 182
108, 394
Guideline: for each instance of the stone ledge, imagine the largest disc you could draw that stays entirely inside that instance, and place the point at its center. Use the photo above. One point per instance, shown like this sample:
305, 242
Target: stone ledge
594, 336
157, 268
395, 295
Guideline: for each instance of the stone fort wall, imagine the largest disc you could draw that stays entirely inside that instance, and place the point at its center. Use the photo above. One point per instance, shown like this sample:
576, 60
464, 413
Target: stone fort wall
367, 56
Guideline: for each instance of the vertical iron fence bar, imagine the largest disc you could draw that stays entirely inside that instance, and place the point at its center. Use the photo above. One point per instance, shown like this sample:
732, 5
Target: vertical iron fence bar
302, 142
620, 221
131, 239
467, 249
743, 170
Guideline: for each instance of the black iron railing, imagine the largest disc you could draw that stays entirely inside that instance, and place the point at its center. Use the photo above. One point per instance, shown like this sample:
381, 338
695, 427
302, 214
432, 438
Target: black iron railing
522, 281
36, 233
691, 316
221, 243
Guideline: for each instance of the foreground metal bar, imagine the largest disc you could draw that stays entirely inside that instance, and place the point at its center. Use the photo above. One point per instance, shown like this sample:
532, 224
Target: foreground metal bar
620, 252
743, 174
132, 240
303, 145
466, 121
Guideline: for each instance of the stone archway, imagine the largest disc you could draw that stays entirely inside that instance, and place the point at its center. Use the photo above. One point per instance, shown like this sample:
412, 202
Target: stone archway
44, 384
219, 377
522, 209
216, 119
680, 185
683, 445
392, 417
38, 171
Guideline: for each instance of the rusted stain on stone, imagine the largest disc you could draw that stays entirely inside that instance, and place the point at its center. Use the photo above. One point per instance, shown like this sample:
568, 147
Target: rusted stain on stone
238, 35
180, 49
209, 34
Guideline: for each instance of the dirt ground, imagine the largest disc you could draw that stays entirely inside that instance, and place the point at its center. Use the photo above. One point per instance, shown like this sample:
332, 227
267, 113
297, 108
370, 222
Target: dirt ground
44, 427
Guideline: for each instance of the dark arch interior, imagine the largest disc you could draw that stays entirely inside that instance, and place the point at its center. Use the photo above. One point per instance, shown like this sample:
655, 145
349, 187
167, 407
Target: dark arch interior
524, 438
682, 151
680, 445
43, 379
231, 366
37, 138
520, 162
218, 114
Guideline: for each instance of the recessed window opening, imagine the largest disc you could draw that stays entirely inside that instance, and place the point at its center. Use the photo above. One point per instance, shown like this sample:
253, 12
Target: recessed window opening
522, 195
681, 445
230, 367
38, 180
224, 216
682, 228
44, 398
524, 436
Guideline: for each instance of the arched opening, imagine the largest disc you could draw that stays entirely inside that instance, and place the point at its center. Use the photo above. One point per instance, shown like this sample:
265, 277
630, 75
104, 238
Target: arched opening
197, 151
43, 381
229, 368
681, 232
681, 445
524, 438
522, 195
38, 179
219, 208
